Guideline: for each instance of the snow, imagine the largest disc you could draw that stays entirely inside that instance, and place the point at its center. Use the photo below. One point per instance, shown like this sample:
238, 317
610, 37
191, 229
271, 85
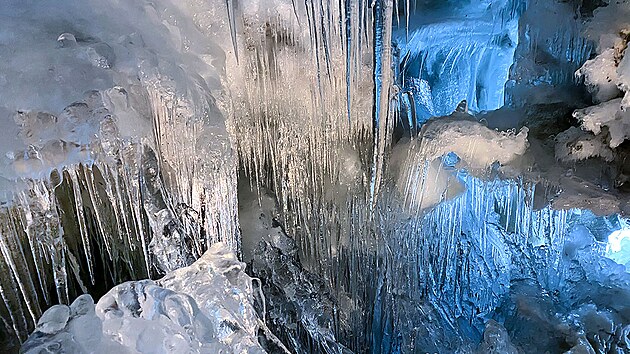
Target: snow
606, 115
424, 176
600, 76
575, 144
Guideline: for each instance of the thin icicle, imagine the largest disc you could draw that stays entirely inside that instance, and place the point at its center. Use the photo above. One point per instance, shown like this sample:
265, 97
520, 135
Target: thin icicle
232, 21
78, 201
383, 81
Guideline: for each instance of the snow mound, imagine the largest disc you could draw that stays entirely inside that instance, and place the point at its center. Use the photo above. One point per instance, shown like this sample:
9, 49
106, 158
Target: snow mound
427, 168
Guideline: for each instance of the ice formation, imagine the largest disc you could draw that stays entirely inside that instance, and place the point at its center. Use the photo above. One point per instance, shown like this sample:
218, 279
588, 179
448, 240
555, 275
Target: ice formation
460, 52
206, 307
401, 176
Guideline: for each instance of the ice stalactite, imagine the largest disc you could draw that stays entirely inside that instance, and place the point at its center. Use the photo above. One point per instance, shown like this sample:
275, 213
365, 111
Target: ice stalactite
383, 120
302, 106
195, 178
118, 168
136, 217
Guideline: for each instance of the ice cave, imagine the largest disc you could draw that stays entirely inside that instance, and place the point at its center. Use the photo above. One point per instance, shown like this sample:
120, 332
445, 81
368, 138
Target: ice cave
317, 176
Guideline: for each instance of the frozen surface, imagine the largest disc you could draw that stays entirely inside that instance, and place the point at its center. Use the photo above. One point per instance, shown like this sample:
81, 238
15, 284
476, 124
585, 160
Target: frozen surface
206, 307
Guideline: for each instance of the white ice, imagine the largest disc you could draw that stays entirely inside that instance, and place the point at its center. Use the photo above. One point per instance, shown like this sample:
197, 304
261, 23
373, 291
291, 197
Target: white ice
206, 307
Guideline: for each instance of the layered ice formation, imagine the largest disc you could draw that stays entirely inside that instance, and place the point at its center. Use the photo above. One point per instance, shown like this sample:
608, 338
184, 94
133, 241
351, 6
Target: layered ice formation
458, 52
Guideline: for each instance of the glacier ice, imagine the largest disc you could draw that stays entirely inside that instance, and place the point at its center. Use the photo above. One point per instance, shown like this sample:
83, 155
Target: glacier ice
458, 52
297, 135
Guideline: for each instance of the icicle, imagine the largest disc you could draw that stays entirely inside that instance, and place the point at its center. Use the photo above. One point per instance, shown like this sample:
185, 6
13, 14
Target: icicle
60, 275
78, 201
232, 21
19, 322
9, 250
382, 83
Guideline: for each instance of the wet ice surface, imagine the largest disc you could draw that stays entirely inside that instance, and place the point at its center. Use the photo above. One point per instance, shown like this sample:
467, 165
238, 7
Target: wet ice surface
206, 307
455, 237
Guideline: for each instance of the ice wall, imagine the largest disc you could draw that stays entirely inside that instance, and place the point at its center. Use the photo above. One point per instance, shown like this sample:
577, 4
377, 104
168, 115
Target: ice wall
551, 48
115, 158
463, 51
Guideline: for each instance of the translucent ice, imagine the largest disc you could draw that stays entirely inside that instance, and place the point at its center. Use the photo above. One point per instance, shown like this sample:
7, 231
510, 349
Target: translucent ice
204, 308
461, 52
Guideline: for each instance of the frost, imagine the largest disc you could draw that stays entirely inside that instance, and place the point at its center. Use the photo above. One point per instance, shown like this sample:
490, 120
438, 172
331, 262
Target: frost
575, 144
607, 115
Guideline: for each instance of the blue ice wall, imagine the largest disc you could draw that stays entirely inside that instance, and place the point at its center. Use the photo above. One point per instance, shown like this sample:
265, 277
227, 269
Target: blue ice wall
453, 51
491, 254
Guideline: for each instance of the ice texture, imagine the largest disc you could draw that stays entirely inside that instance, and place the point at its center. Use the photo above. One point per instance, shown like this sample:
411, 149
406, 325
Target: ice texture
206, 307
387, 233
454, 53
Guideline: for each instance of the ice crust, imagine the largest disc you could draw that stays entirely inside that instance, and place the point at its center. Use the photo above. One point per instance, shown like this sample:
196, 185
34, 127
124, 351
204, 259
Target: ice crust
206, 307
